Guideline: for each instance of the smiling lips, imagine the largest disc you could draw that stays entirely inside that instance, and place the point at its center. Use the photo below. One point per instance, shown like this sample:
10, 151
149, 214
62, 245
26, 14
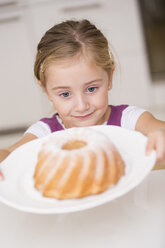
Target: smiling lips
82, 117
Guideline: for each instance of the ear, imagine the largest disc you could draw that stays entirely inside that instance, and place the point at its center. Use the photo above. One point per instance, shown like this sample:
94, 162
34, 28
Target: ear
110, 78
39, 82
41, 85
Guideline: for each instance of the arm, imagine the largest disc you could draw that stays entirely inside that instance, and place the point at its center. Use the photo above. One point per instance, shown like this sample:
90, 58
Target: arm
26, 138
5, 152
155, 130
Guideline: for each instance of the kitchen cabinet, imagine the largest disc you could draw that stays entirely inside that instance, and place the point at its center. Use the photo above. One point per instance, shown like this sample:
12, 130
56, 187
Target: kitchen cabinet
19, 96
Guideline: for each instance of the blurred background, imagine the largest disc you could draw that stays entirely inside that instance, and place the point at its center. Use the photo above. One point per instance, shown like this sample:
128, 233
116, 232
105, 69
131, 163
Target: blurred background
134, 28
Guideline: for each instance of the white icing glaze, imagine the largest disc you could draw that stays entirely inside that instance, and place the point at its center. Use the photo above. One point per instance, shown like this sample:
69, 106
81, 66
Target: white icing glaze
91, 137
99, 165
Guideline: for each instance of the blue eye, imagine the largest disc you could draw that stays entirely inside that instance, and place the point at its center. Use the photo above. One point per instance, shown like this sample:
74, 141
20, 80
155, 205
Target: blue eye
65, 94
91, 89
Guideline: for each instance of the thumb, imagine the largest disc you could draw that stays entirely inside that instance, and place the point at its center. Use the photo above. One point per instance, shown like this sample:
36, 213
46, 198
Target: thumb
150, 145
1, 176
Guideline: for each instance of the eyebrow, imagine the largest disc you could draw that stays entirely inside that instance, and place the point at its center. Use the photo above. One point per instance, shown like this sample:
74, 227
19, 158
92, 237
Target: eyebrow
87, 83
93, 81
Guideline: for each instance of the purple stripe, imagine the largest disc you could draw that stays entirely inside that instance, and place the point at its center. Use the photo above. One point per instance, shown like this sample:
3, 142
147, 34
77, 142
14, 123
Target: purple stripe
53, 123
114, 119
116, 114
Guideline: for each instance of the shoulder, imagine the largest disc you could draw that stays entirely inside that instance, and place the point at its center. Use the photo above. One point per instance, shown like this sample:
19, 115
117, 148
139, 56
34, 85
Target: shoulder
115, 114
53, 123
39, 129
45, 126
130, 116
125, 116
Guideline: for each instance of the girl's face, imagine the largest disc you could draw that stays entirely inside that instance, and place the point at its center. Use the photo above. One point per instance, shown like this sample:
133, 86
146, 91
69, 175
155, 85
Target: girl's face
79, 92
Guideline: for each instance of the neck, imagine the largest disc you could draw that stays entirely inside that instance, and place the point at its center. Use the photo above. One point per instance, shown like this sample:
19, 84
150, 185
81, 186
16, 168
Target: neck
106, 115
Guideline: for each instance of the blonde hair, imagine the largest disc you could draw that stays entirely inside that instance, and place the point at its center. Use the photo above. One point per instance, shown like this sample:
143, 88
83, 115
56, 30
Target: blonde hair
69, 39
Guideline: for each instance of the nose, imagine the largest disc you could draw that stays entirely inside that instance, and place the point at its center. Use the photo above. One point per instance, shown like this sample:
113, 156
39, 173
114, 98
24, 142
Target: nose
81, 103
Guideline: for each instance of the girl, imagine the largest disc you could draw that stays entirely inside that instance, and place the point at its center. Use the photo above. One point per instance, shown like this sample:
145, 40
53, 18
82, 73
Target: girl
75, 68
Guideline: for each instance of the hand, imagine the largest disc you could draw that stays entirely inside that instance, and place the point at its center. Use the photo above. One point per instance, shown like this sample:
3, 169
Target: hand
156, 141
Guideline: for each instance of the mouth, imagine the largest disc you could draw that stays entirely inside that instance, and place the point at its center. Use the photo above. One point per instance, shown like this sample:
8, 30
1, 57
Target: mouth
82, 117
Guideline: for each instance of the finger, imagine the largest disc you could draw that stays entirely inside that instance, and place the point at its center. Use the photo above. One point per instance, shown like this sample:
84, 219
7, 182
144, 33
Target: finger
1, 176
150, 145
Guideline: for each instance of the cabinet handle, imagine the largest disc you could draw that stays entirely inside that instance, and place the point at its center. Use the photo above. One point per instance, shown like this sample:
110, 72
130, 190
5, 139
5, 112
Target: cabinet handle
81, 6
13, 130
10, 16
5, 3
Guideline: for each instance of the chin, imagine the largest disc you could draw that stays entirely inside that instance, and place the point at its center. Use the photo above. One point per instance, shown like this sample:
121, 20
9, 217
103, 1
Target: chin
85, 124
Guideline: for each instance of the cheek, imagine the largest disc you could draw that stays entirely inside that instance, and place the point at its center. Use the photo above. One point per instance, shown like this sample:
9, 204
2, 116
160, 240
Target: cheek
62, 107
102, 99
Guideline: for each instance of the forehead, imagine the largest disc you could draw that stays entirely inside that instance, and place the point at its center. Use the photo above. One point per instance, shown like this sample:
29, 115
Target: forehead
70, 70
71, 62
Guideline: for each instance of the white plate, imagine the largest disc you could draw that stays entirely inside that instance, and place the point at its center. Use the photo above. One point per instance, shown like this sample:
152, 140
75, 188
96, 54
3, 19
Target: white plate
18, 192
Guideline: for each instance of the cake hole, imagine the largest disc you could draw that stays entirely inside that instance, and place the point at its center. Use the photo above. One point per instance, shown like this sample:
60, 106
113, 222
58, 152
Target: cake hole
74, 144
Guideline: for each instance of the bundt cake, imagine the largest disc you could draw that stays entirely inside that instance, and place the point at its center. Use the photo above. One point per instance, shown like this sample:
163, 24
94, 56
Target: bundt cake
76, 163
